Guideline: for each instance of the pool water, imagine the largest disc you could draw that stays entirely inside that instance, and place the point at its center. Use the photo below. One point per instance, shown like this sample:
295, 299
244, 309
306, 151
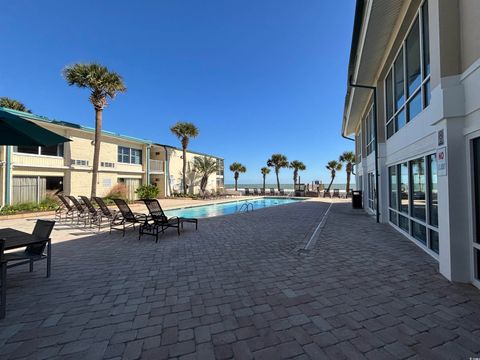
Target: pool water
228, 208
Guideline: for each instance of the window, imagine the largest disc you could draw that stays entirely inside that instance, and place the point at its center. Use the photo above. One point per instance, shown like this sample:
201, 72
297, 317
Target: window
413, 201
419, 186
55, 150
80, 162
370, 123
407, 84
107, 164
358, 146
371, 191
403, 177
433, 190
393, 187
129, 156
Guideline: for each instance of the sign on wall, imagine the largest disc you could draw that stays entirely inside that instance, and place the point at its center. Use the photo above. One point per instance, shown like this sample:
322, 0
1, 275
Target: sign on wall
442, 161
107, 182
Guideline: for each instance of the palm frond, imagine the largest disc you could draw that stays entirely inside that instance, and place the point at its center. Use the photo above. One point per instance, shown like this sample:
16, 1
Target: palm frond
13, 104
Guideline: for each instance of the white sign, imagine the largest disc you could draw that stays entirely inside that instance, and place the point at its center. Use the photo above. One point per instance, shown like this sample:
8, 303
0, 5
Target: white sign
442, 161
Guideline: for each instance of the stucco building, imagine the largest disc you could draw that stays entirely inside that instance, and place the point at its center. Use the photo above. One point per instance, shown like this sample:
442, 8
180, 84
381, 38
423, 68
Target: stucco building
27, 173
413, 108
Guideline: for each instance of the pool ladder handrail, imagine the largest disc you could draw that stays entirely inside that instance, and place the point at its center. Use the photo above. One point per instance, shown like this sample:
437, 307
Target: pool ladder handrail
245, 206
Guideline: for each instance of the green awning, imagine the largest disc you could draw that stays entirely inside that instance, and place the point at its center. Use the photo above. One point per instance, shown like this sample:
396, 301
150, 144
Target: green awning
15, 130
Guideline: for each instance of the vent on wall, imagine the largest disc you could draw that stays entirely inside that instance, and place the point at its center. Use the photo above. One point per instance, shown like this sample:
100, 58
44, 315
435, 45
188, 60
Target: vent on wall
80, 162
107, 164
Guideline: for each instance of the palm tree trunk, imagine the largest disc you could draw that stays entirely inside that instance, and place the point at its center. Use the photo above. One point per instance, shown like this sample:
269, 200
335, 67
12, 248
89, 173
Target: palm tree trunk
184, 169
278, 180
236, 180
96, 150
264, 183
348, 182
331, 181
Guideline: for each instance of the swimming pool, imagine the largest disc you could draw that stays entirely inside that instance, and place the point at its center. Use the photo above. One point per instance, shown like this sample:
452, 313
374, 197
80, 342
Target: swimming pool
228, 207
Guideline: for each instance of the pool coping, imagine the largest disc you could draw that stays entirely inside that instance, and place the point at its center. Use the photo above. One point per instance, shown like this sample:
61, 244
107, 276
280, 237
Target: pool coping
240, 200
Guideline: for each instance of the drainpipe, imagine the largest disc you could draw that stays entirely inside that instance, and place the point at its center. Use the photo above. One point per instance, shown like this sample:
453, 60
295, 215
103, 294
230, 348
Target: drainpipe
167, 173
374, 89
8, 165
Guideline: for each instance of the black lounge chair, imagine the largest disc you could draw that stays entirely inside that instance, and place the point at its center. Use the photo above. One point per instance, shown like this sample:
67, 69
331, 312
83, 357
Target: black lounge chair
281, 192
105, 212
262, 192
247, 192
255, 192
327, 193
33, 252
158, 222
67, 209
336, 193
82, 212
94, 212
272, 192
128, 218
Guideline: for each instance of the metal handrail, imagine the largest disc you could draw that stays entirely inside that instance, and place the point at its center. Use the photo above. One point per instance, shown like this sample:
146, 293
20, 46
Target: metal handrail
245, 205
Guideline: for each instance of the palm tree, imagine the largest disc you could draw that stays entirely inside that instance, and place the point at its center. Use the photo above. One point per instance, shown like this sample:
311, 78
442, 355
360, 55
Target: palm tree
333, 166
278, 161
348, 158
13, 104
265, 171
237, 168
184, 131
102, 84
296, 165
205, 167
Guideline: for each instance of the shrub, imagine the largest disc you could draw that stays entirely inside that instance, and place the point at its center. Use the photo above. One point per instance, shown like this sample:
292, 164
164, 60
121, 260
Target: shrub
147, 192
117, 191
47, 204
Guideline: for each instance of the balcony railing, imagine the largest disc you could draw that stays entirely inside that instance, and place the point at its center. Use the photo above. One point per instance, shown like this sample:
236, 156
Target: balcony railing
157, 166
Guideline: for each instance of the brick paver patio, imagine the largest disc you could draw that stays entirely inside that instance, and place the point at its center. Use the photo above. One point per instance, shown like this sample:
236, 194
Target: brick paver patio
238, 288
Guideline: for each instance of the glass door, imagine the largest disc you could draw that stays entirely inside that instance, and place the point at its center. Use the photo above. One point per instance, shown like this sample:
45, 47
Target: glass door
476, 189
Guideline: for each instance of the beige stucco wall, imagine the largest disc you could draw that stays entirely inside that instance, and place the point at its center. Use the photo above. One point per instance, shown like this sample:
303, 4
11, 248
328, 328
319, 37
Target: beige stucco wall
193, 180
77, 178
469, 32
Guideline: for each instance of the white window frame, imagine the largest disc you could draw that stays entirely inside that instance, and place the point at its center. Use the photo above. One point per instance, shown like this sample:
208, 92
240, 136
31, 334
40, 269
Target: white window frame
426, 223
425, 78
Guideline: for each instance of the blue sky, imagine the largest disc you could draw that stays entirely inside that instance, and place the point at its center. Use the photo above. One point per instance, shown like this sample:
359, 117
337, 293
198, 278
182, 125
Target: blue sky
256, 76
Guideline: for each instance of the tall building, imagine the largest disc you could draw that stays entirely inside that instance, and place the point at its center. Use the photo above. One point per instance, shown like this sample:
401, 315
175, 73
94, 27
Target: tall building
413, 108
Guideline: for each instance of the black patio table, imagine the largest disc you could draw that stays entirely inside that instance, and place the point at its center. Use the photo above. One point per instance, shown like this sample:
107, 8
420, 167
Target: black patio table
15, 239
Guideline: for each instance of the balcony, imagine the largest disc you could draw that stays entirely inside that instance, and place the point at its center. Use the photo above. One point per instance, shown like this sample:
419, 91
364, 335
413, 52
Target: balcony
157, 166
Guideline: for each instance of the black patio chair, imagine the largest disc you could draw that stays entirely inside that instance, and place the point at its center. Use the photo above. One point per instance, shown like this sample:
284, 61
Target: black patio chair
94, 212
255, 192
327, 193
272, 192
158, 222
128, 218
262, 191
67, 209
33, 252
336, 193
105, 212
247, 192
82, 212
281, 192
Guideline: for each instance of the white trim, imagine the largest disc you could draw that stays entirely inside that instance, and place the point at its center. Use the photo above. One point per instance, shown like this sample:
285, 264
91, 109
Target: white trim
38, 155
